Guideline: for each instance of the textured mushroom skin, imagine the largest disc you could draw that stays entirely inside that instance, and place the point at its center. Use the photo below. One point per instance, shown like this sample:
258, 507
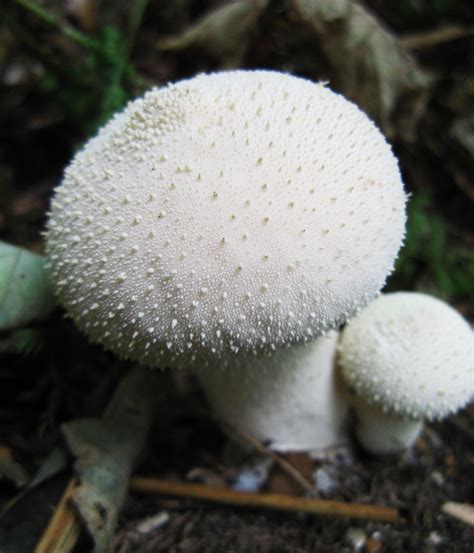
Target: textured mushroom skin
239, 211
409, 354
290, 400
384, 433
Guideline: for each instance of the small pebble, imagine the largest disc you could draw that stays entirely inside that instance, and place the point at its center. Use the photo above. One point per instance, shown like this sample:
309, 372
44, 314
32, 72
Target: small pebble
324, 481
356, 537
435, 538
437, 478
150, 524
251, 478
372, 545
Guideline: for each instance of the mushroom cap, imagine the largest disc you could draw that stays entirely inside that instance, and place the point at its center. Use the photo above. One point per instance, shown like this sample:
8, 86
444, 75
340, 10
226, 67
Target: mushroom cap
410, 354
244, 210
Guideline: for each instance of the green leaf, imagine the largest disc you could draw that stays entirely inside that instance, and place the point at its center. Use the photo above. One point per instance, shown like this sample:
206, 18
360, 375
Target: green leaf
431, 260
25, 289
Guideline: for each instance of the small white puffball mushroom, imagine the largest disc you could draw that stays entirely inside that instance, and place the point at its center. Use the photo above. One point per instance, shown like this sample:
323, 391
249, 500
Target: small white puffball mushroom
245, 210
289, 399
407, 357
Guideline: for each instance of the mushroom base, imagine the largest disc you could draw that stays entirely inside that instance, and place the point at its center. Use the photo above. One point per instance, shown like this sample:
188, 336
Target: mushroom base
384, 433
291, 400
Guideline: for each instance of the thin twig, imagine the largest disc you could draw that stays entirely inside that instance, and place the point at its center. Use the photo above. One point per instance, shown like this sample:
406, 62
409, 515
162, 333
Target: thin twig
287, 467
63, 529
461, 511
51, 19
428, 39
270, 501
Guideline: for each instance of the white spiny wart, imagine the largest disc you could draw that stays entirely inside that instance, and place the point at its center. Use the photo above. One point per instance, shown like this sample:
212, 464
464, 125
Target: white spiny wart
321, 194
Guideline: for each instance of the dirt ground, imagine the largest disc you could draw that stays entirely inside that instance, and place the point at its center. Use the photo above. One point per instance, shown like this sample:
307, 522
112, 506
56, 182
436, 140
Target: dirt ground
187, 444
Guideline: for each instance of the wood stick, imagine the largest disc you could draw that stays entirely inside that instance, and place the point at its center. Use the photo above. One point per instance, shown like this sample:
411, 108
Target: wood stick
63, 529
427, 39
284, 465
271, 501
461, 511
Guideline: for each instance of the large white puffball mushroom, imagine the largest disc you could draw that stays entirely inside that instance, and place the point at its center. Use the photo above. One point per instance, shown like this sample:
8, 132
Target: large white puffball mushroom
290, 399
234, 211
407, 357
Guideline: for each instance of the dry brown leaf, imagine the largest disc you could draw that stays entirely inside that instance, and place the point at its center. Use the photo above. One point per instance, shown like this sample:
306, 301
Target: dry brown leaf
11, 469
223, 34
106, 450
367, 63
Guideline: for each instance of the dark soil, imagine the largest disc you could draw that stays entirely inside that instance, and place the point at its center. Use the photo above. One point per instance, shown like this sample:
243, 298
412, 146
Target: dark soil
69, 377
437, 470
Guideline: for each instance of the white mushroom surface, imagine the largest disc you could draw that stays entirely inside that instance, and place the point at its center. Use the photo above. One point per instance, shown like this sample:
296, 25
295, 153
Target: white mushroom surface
243, 210
290, 399
407, 357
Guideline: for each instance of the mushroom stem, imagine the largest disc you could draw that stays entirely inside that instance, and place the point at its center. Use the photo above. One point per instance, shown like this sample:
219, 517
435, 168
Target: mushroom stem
291, 400
383, 433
